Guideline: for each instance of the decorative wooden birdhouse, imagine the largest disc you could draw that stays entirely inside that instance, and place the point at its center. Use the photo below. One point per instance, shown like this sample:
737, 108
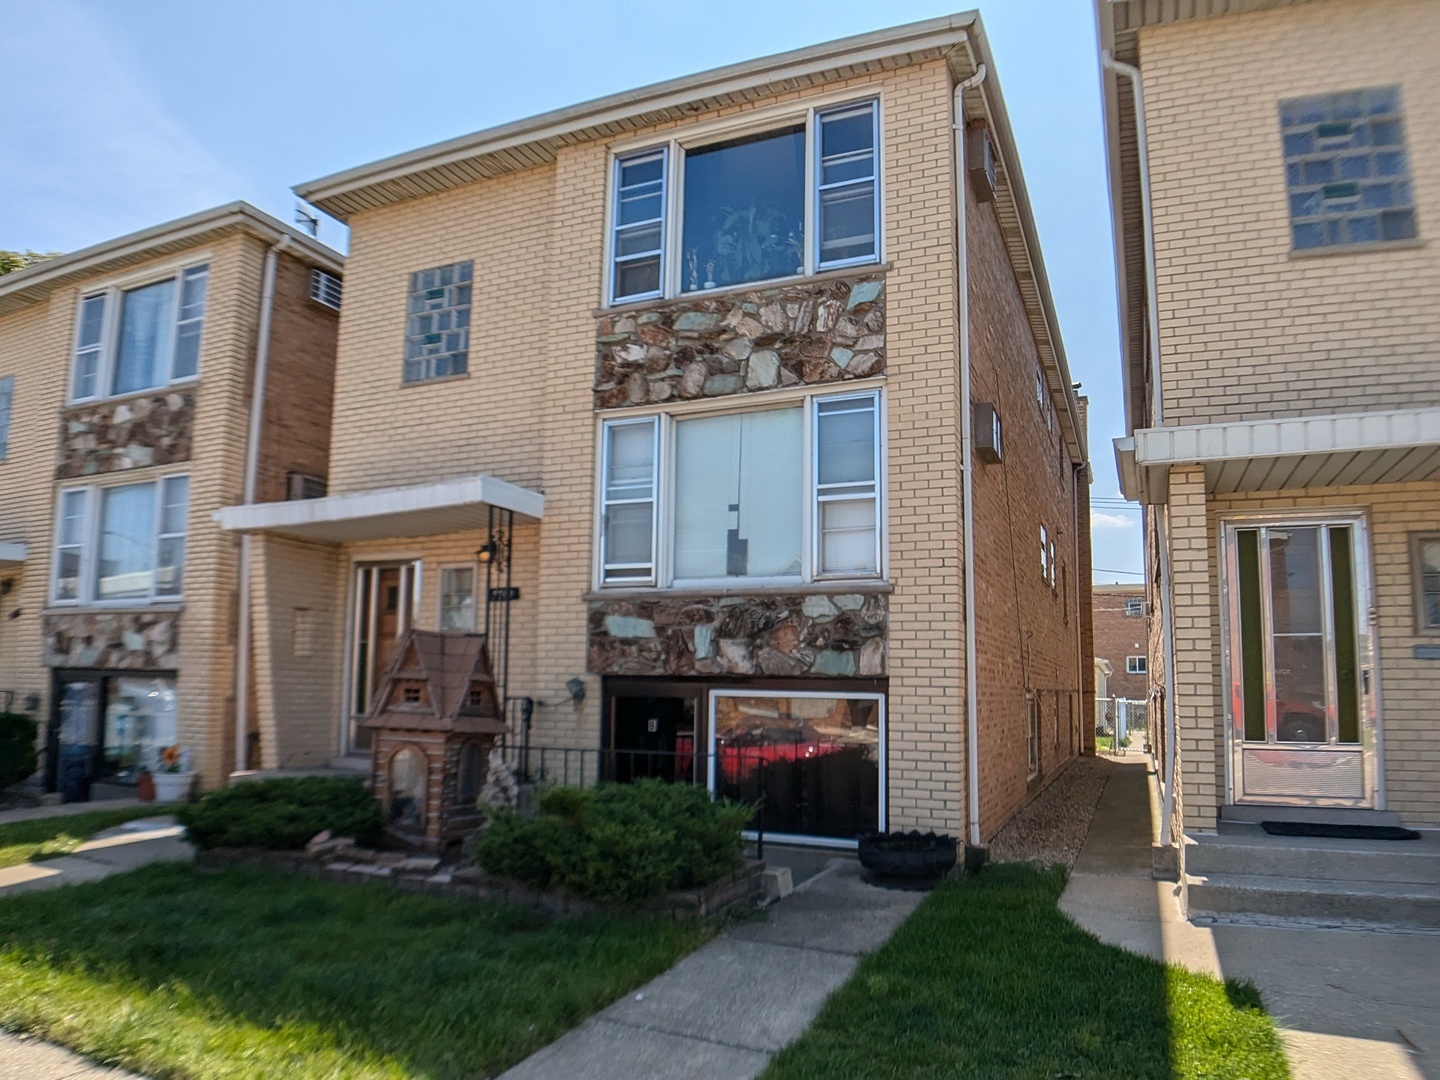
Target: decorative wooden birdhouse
435, 719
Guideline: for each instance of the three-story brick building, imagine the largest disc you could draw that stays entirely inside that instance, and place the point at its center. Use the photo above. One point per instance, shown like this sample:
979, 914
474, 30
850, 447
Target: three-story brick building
667, 393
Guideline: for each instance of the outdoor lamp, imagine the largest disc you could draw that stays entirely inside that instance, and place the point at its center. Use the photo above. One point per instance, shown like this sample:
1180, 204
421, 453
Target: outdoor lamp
576, 686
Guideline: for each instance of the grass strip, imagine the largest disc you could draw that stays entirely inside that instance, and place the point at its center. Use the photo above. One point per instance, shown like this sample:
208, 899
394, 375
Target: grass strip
988, 979
175, 972
48, 837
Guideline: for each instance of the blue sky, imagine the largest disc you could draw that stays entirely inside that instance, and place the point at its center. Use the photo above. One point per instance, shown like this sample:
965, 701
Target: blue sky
123, 115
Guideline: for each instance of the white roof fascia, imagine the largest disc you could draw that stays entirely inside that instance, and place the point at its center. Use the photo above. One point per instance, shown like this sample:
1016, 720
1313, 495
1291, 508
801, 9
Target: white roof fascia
1290, 436
137, 243
13, 552
384, 502
932, 33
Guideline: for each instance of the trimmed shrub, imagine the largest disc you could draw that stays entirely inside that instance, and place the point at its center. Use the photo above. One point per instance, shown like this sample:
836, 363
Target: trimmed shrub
17, 748
617, 843
283, 814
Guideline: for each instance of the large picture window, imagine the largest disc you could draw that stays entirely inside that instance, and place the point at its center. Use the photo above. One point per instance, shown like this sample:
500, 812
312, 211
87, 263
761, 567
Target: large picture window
123, 543
139, 339
787, 493
794, 199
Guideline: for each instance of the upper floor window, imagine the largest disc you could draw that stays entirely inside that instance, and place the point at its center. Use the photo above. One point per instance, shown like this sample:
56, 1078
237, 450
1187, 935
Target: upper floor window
787, 493
437, 329
1135, 665
1134, 606
121, 542
325, 288
7, 397
788, 201
140, 339
1345, 169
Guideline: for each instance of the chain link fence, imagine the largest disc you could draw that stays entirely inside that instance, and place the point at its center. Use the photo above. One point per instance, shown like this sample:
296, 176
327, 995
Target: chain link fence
1121, 724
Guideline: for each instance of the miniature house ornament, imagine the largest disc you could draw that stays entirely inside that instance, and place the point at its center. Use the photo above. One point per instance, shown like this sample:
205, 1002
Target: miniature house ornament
435, 721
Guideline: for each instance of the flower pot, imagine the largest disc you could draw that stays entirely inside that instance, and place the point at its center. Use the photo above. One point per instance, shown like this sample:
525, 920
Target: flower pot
173, 786
907, 860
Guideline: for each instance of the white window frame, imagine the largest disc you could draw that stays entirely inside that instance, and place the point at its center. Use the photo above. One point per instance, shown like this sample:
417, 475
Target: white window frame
838, 695
92, 507
1045, 548
7, 410
1032, 735
326, 289
1134, 607
700, 136
440, 593
817, 497
663, 519
107, 351
1137, 665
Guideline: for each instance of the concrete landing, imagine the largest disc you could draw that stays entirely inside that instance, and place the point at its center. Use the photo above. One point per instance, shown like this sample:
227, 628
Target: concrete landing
1353, 1004
720, 1013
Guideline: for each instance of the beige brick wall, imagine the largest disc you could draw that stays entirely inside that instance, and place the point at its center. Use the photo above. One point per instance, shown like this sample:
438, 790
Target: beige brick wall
1410, 715
1247, 330
525, 414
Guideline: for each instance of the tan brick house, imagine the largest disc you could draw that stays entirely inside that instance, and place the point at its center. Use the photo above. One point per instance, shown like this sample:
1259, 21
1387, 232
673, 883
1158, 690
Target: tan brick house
128, 415
1282, 372
666, 392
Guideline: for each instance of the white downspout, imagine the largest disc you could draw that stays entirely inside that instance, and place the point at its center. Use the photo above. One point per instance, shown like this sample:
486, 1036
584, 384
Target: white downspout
1157, 418
972, 663
252, 468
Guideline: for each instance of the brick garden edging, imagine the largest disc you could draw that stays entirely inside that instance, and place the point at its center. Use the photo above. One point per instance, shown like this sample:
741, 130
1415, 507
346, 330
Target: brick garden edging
426, 874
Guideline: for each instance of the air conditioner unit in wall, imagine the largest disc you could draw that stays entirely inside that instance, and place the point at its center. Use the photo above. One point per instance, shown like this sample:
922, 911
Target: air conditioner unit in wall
301, 486
980, 162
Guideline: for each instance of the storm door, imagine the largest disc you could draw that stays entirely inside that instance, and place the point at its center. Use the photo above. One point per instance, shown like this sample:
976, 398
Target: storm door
1300, 663
383, 604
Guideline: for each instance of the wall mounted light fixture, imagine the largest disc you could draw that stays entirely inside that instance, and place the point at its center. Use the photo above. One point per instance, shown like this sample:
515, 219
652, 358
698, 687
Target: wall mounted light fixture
576, 686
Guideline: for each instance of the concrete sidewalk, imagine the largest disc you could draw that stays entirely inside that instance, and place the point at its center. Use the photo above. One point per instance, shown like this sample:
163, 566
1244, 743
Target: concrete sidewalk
23, 1058
1353, 1004
126, 847
721, 1013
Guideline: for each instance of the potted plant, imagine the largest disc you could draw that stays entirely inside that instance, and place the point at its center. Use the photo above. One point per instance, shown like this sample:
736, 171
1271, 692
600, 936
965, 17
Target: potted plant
173, 776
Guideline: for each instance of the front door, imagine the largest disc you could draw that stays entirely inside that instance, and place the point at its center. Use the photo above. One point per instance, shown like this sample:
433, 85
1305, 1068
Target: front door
1301, 680
383, 604
651, 736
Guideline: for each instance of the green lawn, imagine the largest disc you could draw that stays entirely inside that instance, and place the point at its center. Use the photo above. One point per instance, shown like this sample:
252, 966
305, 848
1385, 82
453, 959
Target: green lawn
988, 979
179, 973
22, 841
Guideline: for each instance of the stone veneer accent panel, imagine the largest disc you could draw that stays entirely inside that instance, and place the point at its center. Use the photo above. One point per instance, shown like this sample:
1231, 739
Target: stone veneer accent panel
783, 635
113, 436
112, 639
816, 332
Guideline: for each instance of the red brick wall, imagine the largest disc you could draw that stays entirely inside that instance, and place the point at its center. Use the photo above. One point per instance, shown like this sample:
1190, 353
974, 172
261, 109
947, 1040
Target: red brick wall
299, 385
1117, 636
1028, 634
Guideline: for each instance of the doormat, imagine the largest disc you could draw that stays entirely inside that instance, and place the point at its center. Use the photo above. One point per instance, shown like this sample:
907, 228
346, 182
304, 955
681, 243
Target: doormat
1339, 832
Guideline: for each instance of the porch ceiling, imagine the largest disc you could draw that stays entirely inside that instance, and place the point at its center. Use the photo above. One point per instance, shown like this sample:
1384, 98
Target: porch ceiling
1391, 447
12, 552
419, 510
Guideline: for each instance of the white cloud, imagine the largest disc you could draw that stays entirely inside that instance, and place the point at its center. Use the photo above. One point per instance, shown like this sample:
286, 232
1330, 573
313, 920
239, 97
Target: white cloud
91, 151
1101, 520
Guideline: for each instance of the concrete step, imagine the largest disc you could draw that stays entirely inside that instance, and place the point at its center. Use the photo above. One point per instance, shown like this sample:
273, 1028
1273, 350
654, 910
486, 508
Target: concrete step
1329, 815
1402, 904
1255, 853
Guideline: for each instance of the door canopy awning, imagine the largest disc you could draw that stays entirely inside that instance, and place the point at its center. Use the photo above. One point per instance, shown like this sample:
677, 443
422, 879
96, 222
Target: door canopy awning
418, 510
1337, 450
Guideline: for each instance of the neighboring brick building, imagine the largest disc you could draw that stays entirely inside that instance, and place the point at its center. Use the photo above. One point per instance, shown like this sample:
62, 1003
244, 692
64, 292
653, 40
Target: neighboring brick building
1291, 450
128, 372
710, 430
1122, 639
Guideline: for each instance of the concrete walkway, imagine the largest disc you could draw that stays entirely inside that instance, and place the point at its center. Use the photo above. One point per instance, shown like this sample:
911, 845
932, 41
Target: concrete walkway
126, 847
1352, 1004
23, 1058
721, 1013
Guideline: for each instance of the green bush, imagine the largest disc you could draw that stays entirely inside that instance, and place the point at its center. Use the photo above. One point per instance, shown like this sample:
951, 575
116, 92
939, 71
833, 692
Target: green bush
283, 814
17, 748
618, 843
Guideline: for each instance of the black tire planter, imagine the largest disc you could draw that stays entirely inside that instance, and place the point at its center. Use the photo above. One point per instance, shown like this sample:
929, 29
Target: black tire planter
912, 860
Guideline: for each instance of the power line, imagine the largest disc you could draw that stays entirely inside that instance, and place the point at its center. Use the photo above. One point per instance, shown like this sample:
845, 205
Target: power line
1103, 570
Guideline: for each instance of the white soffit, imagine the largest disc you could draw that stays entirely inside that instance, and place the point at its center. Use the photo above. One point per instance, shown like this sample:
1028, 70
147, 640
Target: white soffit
1335, 450
12, 552
419, 510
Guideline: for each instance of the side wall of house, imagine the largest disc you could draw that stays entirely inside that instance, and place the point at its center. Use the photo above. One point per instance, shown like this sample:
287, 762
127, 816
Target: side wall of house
1118, 636
299, 384
1248, 329
1028, 630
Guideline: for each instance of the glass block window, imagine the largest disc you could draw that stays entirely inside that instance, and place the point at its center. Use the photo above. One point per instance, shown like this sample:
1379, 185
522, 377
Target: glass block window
1345, 169
437, 331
